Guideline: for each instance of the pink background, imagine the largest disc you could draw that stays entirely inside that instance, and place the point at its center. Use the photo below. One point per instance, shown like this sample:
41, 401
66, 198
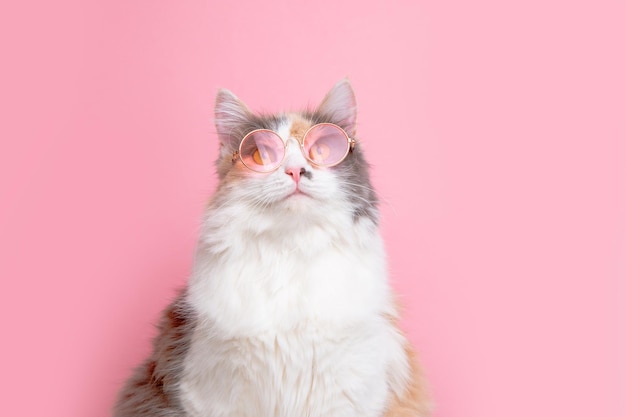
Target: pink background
496, 131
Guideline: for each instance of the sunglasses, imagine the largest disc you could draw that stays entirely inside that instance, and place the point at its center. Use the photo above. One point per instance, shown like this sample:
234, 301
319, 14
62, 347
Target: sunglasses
323, 145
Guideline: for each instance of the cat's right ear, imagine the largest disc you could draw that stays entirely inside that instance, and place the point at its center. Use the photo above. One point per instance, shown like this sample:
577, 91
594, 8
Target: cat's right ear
340, 106
230, 114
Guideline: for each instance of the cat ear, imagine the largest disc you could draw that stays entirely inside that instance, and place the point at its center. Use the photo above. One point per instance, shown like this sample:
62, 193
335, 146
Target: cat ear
339, 105
230, 113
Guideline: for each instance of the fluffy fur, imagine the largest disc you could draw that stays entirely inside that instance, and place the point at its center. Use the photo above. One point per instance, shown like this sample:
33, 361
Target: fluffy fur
288, 311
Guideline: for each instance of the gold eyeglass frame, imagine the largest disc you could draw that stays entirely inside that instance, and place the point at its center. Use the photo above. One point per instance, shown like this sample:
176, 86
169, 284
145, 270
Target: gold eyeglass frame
351, 145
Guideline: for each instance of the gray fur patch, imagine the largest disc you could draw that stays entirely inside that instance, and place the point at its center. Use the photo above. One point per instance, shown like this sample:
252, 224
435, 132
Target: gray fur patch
152, 391
354, 175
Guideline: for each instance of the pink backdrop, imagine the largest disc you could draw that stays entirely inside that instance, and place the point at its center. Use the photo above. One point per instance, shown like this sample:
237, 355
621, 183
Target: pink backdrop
496, 131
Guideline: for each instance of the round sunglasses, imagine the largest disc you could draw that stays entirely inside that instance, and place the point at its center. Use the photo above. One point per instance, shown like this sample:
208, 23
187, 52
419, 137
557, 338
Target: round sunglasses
324, 145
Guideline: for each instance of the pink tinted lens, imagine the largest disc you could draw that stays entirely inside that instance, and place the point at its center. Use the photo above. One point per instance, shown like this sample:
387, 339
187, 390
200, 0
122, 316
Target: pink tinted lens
326, 144
262, 150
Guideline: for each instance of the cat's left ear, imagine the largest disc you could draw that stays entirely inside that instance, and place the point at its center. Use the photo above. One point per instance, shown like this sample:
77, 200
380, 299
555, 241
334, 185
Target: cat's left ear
339, 105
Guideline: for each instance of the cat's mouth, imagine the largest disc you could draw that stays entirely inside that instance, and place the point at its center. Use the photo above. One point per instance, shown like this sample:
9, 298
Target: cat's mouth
298, 193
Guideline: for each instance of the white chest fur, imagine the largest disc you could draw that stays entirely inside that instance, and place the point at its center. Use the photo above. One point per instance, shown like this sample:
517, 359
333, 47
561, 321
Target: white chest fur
309, 371
292, 330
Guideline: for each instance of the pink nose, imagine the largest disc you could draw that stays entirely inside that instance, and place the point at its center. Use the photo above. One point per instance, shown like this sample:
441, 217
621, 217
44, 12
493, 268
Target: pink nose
295, 173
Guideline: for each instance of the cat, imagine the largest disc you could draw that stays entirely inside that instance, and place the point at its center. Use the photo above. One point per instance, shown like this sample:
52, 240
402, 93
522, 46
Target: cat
288, 311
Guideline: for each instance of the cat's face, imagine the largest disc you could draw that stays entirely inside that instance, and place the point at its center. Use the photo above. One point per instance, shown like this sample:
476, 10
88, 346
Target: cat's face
296, 185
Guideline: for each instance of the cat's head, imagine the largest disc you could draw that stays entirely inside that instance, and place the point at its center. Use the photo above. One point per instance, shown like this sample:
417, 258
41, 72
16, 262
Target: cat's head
294, 182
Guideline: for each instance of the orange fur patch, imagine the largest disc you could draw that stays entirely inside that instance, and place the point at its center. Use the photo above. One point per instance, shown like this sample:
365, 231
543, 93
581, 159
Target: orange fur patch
414, 401
299, 126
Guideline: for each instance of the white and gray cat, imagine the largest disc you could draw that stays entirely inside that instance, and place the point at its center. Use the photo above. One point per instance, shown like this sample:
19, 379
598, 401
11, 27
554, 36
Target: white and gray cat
288, 311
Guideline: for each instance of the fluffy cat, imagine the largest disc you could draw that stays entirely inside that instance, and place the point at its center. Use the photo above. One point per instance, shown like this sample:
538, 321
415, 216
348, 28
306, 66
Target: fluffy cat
288, 311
